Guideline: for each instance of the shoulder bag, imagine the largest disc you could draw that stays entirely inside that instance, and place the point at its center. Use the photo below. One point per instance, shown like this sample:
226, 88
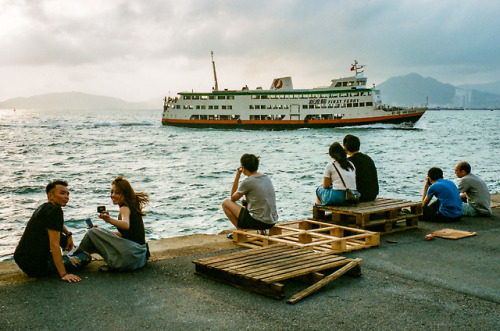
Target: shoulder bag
351, 197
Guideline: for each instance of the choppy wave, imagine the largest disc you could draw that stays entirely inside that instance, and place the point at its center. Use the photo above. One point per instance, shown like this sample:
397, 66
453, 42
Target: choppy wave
188, 172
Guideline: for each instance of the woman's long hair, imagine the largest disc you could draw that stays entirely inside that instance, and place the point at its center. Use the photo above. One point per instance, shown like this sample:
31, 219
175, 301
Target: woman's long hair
337, 152
135, 200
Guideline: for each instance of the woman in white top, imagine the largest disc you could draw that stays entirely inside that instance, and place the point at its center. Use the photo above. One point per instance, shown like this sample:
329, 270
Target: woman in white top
332, 192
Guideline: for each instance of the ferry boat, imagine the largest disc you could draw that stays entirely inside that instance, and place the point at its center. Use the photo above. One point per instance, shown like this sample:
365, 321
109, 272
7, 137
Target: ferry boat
347, 101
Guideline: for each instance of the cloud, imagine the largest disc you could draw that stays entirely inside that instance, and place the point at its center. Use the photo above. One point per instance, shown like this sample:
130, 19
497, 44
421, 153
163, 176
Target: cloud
115, 46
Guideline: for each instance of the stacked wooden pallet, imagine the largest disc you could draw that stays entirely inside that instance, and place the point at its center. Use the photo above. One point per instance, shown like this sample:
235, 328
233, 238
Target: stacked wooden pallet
385, 215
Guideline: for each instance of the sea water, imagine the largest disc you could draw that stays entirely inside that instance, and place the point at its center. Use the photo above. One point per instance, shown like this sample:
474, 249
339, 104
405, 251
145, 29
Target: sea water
188, 172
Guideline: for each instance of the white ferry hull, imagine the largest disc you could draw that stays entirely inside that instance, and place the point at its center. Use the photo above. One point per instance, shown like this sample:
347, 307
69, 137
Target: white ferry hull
293, 124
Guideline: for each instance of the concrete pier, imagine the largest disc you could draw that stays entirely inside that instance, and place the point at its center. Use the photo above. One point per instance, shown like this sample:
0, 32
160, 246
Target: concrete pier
407, 283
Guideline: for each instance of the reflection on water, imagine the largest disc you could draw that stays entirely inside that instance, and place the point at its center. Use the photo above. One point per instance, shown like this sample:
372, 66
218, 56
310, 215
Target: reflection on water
188, 172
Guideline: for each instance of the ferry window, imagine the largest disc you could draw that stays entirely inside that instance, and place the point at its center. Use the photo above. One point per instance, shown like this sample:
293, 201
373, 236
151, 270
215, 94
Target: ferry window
361, 104
257, 107
255, 96
223, 107
210, 107
216, 107
354, 104
187, 97
229, 107
369, 93
203, 107
326, 116
337, 105
185, 107
251, 107
211, 97
344, 83
351, 83
323, 105
269, 107
225, 117
369, 103
211, 117
196, 97
178, 107
204, 97
318, 106
197, 107
303, 96
191, 107
349, 105
263, 96
330, 105
194, 117
354, 94
254, 117
275, 107
339, 84
203, 117
343, 94
262, 107
286, 107
230, 97
221, 97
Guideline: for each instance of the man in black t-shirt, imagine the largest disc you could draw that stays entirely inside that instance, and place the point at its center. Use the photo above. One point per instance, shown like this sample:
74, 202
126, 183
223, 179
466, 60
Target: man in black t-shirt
38, 253
366, 172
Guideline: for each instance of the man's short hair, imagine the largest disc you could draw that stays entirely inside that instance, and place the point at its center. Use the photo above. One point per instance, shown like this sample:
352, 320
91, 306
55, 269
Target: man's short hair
465, 166
351, 143
52, 185
435, 173
250, 162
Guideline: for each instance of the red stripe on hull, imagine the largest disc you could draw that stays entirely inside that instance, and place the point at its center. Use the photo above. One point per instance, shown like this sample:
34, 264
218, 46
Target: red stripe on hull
294, 123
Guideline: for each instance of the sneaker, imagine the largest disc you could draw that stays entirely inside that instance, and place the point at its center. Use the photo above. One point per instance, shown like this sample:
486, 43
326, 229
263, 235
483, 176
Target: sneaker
104, 268
230, 236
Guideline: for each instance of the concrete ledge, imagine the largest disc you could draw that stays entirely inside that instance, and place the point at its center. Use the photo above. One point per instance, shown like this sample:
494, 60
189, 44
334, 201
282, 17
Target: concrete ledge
160, 250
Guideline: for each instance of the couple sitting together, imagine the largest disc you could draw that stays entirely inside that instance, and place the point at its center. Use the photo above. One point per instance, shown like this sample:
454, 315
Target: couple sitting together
39, 254
357, 173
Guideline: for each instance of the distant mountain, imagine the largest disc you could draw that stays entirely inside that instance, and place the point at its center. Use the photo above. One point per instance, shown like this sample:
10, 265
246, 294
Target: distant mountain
74, 101
415, 90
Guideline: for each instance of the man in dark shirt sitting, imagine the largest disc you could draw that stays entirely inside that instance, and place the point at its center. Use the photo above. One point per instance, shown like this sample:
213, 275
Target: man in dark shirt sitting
366, 172
38, 253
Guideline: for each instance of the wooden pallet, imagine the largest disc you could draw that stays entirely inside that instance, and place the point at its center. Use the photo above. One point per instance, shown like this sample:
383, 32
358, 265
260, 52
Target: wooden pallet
318, 236
260, 270
386, 215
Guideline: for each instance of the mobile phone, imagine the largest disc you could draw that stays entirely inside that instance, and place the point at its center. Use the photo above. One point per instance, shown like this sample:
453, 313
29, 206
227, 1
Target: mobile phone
100, 209
89, 223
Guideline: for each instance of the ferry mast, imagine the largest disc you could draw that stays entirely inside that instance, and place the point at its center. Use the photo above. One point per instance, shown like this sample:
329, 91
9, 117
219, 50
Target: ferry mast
357, 68
216, 88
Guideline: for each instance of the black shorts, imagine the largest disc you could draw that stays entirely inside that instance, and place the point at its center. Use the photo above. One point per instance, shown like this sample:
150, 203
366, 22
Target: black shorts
245, 221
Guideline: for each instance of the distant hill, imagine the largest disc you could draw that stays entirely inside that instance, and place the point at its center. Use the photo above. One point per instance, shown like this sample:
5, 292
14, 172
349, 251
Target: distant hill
414, 90
74, 101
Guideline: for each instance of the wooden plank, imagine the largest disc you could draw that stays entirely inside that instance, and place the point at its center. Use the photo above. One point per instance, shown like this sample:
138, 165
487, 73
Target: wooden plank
301, 295
274, 290
302, 271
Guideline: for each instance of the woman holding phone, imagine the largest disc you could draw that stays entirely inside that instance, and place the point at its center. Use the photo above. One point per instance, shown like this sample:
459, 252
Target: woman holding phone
126, 248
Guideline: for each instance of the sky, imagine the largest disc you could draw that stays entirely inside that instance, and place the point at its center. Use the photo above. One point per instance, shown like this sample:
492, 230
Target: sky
148, 49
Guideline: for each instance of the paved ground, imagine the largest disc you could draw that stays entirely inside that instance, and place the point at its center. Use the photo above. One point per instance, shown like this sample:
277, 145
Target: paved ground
412, 284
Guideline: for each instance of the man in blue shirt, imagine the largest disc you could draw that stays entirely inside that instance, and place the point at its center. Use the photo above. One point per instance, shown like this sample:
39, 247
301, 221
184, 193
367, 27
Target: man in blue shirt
448, 204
